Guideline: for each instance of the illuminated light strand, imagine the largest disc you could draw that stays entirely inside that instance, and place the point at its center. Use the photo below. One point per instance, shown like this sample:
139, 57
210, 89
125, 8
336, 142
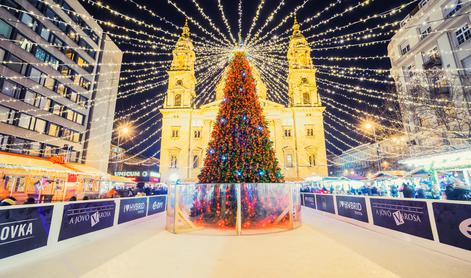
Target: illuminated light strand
54, 139
195, 22
386, 119
269, 19
274, 87
309, 19
226, 22
346, 125
104, 99
208, 87
59, 96
211, 23
283, 21
143, 7
239, 23
387, 96
383, 15
140, 23
105, 23
254, 20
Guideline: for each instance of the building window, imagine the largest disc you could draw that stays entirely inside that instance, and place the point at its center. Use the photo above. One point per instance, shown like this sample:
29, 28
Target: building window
53, 130
175, 132
7, 115
289, 161
173, 161
462, 34
405, 47
425, 30
11, 89
466, 62
312, 160
40, 126
287, 132
5, 29
452, 7
197, 134
4, 142
24, 43
306, 98
26, 121
14, 63
196, 160
178, 100
310, 132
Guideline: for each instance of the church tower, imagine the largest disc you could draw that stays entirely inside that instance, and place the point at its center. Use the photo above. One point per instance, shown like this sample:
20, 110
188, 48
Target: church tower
302, 88
182, 81
305, 152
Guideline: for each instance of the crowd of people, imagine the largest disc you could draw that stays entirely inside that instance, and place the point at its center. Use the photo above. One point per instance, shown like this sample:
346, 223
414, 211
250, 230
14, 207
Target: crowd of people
451, 191
140, 190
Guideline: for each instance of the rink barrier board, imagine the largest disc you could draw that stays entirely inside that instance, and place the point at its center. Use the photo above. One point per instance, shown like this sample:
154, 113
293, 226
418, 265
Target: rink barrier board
24, 228
444, 226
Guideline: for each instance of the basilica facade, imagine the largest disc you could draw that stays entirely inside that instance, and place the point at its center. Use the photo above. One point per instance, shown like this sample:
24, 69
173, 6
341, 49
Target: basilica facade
297, 130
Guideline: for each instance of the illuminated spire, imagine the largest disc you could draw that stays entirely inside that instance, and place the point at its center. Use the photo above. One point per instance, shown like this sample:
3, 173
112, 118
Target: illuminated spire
186, 29
296, 26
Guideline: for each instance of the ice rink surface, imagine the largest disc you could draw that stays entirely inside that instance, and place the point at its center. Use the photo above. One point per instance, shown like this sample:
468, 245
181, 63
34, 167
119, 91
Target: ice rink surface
322, 247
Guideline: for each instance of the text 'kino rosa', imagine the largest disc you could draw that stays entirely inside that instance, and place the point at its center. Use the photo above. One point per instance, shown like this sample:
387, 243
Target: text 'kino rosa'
13, 232
405, 215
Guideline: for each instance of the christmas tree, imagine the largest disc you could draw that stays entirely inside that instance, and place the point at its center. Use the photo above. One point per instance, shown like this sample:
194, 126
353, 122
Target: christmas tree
240, 150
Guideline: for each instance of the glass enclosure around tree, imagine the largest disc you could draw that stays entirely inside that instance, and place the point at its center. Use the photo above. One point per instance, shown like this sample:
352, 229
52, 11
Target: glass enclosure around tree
234, 208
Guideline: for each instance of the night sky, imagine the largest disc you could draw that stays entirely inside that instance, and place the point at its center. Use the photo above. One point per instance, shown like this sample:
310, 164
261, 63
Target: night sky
333, 126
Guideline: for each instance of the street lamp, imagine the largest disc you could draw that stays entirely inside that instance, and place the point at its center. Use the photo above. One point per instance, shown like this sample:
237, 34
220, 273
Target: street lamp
124, 130
370, 126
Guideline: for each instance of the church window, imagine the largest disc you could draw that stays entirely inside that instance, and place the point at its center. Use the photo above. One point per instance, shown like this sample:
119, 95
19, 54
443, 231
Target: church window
197, 134
287, 132
173, 161
304, 80
306, 98
179, 83
175, 132
178, 100
289, 160
195, 161
312, 160
310, 131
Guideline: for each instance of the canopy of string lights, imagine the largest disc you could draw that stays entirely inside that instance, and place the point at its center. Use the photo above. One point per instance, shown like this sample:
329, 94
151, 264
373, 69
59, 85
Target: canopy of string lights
348, 39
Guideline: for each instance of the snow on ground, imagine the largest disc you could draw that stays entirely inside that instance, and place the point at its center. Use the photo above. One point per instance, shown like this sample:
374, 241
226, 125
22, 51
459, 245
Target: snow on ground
322, 247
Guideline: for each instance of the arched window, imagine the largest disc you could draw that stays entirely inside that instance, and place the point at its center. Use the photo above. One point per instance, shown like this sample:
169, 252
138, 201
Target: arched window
173, 161
196, 160
312, 160
178, 100
289, 161
306, 98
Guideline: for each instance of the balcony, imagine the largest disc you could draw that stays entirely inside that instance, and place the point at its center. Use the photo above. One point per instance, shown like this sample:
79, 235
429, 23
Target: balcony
434, 61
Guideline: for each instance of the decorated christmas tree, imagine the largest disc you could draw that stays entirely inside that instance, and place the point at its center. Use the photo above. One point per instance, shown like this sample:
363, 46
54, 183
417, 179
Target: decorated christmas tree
240, 150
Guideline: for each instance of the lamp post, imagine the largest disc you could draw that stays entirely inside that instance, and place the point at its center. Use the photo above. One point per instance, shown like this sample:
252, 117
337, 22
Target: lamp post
369, 125
123, 130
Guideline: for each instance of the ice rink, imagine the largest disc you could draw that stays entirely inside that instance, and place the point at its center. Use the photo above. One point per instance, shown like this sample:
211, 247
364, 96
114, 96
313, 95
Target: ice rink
322, 247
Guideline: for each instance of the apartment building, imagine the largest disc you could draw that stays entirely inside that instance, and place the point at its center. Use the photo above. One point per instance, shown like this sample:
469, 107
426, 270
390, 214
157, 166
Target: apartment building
59, 78
431, 65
